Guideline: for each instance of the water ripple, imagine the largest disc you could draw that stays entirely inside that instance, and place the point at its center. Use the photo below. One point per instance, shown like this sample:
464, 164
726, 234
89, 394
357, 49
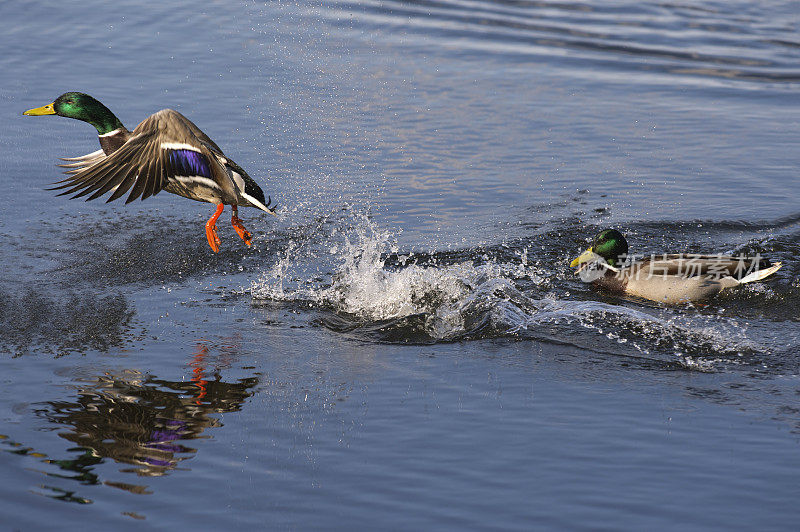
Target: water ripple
732, 41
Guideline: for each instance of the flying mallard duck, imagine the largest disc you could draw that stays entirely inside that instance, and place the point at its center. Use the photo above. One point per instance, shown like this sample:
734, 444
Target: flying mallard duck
166, 151
665, 278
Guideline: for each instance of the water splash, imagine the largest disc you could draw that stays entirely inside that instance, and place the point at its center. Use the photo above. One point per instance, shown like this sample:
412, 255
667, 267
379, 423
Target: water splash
367, 289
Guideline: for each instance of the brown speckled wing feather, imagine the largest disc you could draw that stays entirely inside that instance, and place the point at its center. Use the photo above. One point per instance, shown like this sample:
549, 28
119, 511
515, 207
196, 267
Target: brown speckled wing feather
691, 265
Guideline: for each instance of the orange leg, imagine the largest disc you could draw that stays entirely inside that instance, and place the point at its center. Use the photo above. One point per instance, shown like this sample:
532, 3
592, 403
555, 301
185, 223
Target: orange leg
243, 233
211, 229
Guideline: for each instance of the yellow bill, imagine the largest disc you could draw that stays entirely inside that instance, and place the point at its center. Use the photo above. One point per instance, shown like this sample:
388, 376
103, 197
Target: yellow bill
39, 111
586, 256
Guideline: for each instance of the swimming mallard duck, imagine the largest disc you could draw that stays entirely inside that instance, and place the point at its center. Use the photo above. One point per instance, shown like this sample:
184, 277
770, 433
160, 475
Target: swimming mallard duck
665, 278
166, 151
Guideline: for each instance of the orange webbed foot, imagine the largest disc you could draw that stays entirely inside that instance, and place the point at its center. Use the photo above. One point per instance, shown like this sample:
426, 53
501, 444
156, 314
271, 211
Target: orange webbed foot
243, 233
213, 239
211, 229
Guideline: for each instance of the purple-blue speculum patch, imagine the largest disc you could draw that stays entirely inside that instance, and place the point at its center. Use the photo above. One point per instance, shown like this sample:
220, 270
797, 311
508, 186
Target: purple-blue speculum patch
189, 163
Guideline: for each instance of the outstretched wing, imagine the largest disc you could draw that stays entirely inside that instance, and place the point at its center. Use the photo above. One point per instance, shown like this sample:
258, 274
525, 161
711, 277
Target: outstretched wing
197, 132
163, 146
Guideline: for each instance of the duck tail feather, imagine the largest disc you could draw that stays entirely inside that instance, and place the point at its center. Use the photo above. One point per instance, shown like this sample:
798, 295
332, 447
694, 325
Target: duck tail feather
761, 274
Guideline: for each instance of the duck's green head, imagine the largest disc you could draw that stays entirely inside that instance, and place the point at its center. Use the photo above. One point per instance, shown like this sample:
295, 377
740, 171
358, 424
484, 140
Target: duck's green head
608, 244
83, 107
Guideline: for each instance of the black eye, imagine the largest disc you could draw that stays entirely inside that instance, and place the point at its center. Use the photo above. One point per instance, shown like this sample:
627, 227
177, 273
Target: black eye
70, 101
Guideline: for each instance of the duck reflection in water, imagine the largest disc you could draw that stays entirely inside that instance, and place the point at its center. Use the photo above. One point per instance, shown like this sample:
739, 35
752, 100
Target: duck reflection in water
138, 419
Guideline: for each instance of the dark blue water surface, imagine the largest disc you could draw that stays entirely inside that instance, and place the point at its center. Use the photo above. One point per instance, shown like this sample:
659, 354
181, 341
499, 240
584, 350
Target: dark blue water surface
404, 346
